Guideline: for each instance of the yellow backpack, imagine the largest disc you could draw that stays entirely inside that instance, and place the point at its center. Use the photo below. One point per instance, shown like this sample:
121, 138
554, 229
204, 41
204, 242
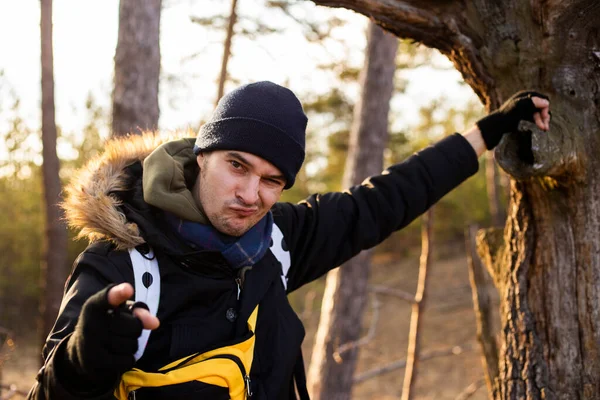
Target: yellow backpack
227, 366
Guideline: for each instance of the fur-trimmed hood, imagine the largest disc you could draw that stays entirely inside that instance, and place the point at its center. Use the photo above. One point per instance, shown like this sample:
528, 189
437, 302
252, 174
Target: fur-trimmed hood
89, 206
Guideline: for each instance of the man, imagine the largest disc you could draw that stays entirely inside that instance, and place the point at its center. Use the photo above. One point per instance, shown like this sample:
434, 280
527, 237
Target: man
206, 215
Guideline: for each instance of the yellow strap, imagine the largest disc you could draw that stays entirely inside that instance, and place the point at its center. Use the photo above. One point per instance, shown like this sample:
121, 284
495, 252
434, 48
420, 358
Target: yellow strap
252, 319
217, 371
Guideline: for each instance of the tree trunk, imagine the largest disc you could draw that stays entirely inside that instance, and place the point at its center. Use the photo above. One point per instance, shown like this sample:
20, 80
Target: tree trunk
482, 304
54, 268
137, 67
346, 288
548, 270
418, 308
226, 51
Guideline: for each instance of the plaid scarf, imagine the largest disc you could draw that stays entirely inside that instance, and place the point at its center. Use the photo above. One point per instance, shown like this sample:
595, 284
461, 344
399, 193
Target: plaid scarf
240, 251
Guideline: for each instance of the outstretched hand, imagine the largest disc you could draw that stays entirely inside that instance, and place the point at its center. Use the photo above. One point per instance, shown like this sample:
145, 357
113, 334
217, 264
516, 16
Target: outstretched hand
104, 342
118, 295
522, 106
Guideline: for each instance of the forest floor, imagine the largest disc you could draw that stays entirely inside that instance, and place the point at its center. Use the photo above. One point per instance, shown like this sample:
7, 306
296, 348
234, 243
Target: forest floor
448, 323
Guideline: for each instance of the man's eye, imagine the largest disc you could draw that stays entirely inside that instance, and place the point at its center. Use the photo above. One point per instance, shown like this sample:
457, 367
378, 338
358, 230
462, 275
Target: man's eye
273, 182
236, 164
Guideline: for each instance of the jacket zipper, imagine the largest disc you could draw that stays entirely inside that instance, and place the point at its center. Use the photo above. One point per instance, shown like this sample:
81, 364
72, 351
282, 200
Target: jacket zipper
240, 365
241, 277
238, 281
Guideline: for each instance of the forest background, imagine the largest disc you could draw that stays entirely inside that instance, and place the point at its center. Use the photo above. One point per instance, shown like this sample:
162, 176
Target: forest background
318, 53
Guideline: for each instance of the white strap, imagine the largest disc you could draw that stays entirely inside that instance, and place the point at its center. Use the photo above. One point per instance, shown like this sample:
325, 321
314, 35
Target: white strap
283, 256
147, 289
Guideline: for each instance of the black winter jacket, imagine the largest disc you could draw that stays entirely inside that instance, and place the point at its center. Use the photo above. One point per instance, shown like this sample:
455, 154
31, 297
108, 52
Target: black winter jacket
198, 288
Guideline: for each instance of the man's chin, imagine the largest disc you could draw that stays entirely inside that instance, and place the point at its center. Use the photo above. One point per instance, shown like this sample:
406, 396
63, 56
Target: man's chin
234, 230
235, 226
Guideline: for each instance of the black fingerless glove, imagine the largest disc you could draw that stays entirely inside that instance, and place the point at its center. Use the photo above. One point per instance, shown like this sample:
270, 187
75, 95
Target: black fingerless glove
506, 119
104, 342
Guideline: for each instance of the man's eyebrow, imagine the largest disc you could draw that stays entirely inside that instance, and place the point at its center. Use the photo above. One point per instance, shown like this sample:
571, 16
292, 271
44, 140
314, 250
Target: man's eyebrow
246, 162
239, 157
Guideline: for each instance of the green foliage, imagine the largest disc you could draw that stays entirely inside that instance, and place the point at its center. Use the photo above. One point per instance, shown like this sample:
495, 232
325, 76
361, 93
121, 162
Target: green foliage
330, 121
22, 208
22, 224
328, 135
467, 203
86, 144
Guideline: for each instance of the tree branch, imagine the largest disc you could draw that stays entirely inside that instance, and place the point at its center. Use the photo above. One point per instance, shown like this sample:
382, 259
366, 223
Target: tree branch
426, 355
470, 390
381, 289
491, 249
440, 25
337, 354
416, 327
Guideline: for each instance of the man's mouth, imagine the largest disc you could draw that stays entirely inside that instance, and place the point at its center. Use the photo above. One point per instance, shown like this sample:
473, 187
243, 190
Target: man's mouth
244, 212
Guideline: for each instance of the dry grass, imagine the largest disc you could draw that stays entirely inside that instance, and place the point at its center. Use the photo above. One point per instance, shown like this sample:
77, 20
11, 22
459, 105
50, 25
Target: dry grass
20, 366
447, 321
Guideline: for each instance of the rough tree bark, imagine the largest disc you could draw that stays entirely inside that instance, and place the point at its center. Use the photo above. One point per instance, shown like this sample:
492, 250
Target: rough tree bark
492, 185
137, 67
548, 269
54, 268
346, 288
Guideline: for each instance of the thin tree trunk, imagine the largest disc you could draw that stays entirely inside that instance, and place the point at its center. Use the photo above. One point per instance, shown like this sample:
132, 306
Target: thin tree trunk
54, 268
3, 338
412, 360
227, 50
482, 305
137, 67
346, 288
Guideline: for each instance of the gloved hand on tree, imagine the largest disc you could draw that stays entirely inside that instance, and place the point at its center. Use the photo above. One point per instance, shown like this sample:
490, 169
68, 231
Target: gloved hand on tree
522, 106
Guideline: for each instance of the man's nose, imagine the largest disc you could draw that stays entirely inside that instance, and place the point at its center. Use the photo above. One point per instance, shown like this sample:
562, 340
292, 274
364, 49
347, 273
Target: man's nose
248, 191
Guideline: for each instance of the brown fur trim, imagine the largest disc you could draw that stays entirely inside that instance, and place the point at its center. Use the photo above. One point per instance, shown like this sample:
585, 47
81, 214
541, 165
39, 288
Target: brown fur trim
88, 206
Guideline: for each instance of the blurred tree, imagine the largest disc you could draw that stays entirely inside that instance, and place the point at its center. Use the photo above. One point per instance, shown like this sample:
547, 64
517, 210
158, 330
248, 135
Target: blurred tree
226, 50
546, 263
137, 67
21, 231
21, 185
54, 267
346, 288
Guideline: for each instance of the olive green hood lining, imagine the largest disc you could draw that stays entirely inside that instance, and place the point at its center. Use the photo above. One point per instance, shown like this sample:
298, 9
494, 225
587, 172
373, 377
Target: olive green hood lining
164, 180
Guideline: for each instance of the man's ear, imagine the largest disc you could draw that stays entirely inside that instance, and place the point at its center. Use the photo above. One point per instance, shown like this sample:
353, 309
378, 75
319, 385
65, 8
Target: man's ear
200, 159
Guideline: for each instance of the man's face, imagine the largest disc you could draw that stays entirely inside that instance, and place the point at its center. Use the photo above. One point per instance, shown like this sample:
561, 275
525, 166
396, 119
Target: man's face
236, 189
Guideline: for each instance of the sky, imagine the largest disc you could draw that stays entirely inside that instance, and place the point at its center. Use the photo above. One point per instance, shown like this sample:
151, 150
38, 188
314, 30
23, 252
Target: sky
85, 37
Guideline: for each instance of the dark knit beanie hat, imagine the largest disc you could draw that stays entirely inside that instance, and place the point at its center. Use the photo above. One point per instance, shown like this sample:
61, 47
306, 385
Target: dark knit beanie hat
260, 118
